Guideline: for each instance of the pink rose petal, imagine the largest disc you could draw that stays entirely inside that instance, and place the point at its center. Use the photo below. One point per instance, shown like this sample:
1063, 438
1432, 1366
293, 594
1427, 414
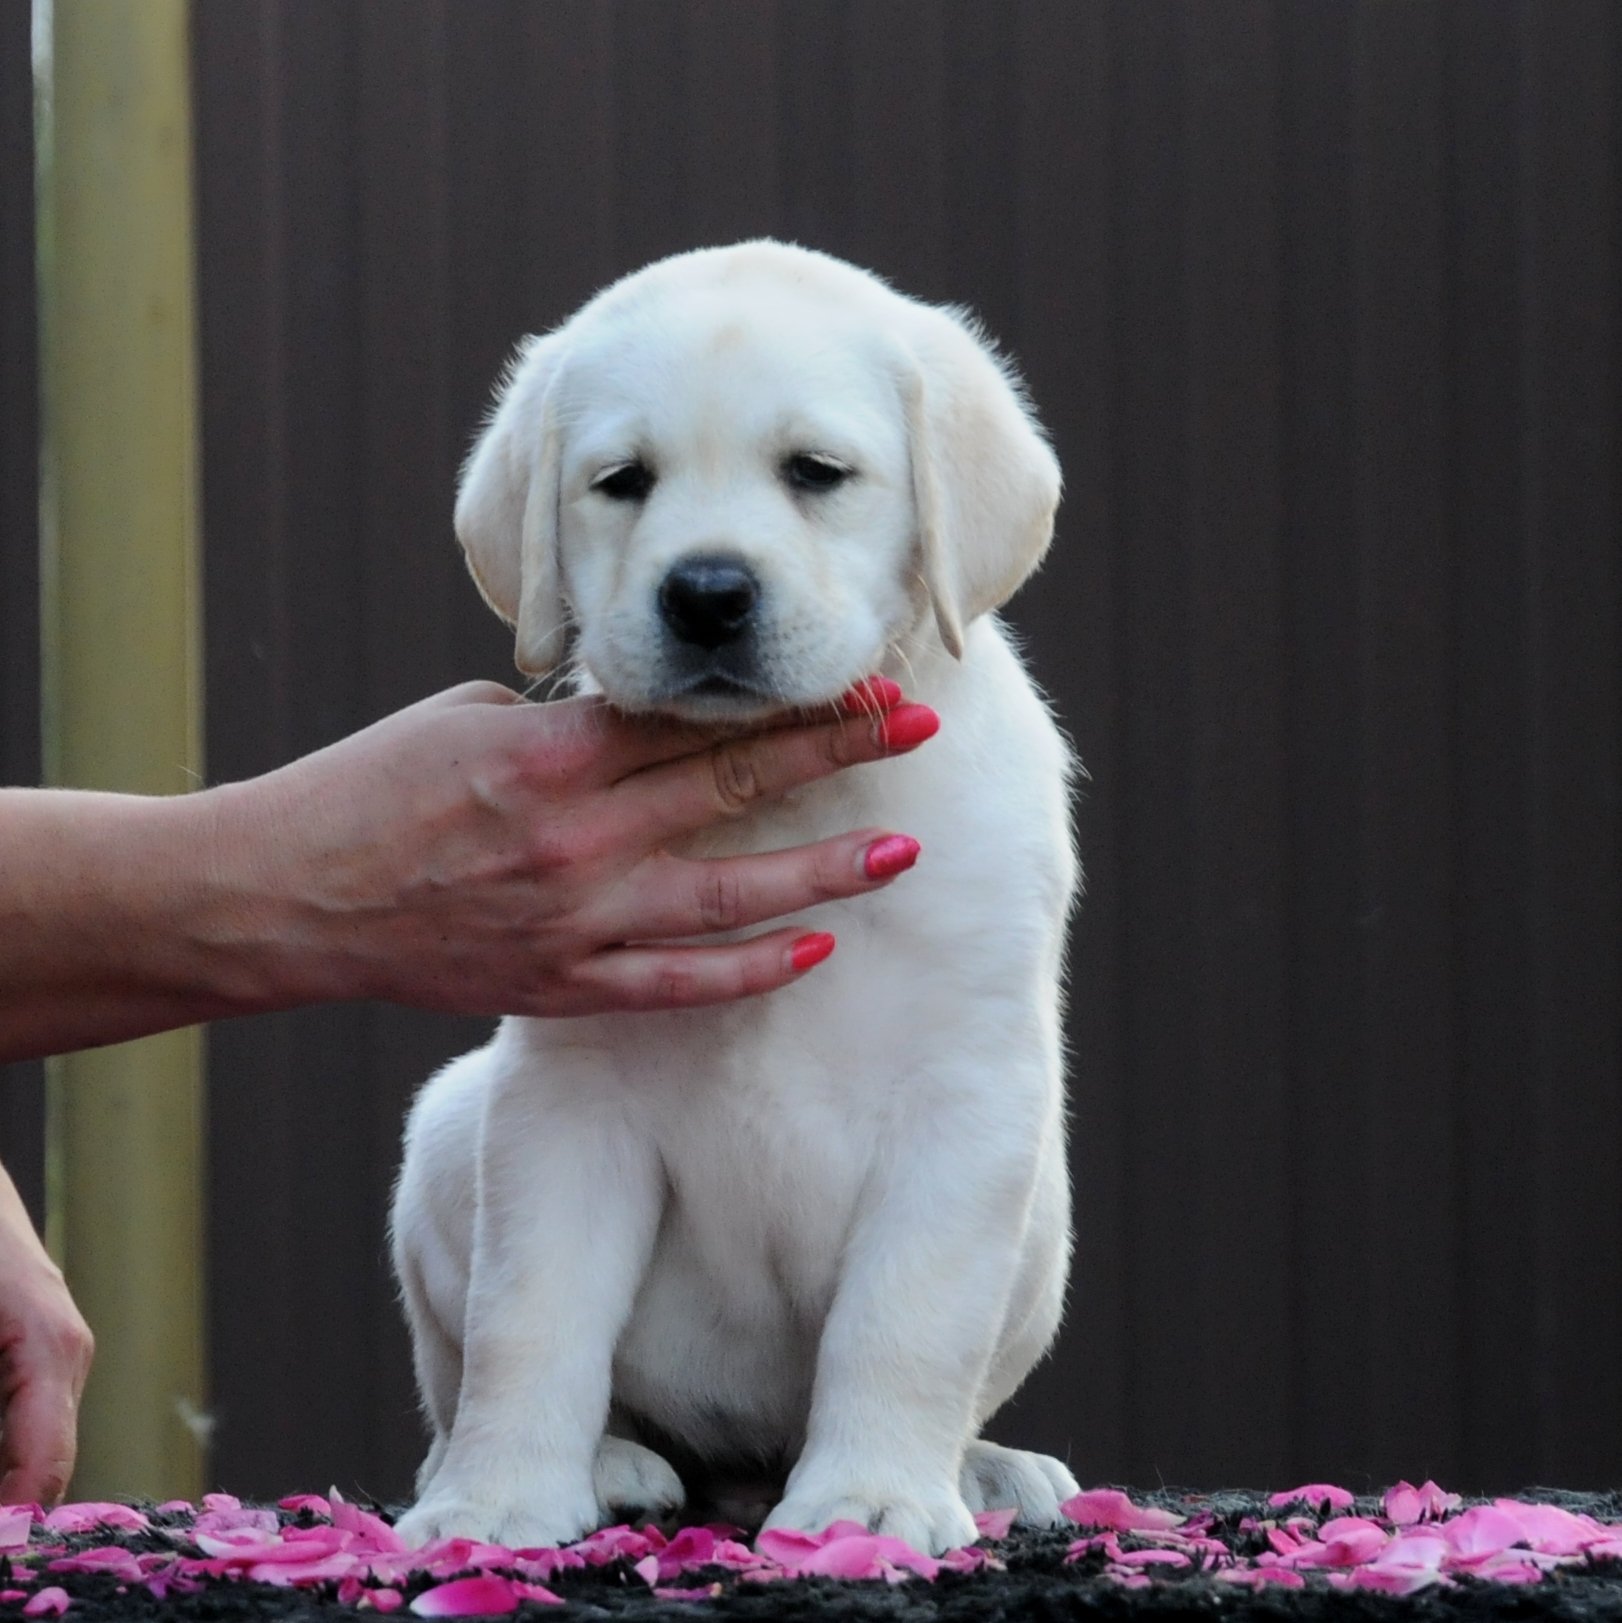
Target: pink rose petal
1504, 1569
1550, 1529
1316, 1494
379, 1536
483, 1596
224, 1523
305, 1501
1480, 1531
1256, 1577
8, 1596
82, 1518
221, 1501
973, 1558
1394, 1580
994, 1524
112, 1558
383, 1600
314, 1569
620, 1543
787, 1546
688, 1594
855, 1554
1153, 1558
1108, 1507
542, 1564
51, 1602
15, 1524
1127, 1578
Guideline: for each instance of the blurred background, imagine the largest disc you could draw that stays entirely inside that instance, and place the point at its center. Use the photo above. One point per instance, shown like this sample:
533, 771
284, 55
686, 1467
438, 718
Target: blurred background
1321, 304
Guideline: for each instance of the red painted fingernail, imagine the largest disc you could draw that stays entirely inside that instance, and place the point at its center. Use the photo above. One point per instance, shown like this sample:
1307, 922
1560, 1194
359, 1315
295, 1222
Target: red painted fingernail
908, 726
810, 950
870, 694
894, 854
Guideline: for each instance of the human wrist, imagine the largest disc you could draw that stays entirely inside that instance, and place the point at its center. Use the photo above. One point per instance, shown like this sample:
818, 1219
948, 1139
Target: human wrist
250, 938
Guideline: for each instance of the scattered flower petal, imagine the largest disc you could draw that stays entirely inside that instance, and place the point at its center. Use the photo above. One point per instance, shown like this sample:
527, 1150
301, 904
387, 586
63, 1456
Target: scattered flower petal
1153, 1558
483, 1596
1317, 1494
312, 1502
51, 1602
1108, 1507
111, 1558
994, 1524
16, 1522
83, 1517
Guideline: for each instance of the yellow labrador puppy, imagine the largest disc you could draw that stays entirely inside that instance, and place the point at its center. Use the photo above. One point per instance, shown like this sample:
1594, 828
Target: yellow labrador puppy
800, 1247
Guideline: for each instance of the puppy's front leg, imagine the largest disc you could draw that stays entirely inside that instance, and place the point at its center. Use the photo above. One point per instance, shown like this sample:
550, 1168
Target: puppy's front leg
568, 1206
907, 1344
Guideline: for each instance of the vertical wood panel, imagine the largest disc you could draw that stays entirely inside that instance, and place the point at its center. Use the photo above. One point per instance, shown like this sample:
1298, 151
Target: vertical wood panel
281, 354
729, 69
898, 110
1492, 722
1331, 1390
1165, 1416
1237, 1111
414, 584
1075, 1406
1406, 855
1569, 250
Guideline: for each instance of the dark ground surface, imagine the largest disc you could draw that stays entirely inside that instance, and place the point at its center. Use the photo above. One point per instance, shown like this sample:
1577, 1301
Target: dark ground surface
1036, 1584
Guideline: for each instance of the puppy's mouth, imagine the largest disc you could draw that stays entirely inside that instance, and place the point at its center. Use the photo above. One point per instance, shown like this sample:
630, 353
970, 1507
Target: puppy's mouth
719, 695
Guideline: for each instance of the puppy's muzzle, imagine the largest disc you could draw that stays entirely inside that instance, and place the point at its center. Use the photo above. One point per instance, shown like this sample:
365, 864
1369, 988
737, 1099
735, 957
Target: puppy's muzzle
709, 600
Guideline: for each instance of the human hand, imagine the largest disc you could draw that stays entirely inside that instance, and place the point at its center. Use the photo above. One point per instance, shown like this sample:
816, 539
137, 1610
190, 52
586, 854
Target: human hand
45, 1352
480, 854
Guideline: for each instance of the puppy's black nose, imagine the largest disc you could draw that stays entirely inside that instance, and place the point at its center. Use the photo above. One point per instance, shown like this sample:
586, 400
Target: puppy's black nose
708, 600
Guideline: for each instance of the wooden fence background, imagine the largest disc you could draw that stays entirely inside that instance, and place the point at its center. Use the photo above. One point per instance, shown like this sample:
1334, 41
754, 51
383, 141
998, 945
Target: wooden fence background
1321, 303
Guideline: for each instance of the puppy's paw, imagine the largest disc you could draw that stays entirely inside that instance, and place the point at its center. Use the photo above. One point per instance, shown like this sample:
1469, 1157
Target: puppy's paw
528, 1517
633, 1482
1034, 1485
931, 1521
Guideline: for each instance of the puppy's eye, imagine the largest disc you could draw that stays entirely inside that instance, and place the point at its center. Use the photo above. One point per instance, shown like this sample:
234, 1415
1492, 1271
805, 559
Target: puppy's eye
629, 482
810, 471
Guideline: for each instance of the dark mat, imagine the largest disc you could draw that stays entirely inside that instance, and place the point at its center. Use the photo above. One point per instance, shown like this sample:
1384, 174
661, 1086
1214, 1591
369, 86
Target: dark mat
1029, 1577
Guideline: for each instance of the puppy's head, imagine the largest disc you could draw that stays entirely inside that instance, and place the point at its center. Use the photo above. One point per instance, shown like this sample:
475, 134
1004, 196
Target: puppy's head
745, 474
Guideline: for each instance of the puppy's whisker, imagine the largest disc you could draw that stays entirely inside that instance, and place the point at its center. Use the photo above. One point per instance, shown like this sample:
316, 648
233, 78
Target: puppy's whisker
899, 650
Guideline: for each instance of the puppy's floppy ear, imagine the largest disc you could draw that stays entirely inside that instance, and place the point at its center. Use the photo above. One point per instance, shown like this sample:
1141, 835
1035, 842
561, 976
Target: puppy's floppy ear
507, 507
985, 480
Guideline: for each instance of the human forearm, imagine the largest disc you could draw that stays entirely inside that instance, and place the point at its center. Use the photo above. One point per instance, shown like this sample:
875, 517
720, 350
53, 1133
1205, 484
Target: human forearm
473, 853
117, 918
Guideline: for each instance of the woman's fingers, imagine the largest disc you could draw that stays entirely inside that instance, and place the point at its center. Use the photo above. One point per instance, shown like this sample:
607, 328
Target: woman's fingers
38, 1429
615, 746
660, 977
673, 896
731, 777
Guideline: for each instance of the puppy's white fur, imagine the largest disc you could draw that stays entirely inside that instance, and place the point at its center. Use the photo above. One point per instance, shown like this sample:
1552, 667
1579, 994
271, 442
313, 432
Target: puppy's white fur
822, 1233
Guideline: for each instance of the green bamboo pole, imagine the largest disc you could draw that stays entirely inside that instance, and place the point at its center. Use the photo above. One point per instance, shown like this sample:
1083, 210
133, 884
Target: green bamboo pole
122, 701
